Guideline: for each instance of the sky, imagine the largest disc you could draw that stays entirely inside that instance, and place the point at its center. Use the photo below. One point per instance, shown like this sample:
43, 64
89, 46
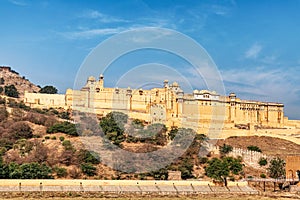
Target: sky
254, 44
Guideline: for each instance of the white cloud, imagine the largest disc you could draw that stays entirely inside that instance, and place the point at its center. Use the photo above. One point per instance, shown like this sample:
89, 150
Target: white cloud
87, 34
94, 14
253, 51
18, 3
265, 84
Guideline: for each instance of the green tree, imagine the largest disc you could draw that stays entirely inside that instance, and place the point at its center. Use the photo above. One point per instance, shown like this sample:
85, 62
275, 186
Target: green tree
88, 169
254, 148
64, 127
48, 90
277, 168
225, 149
112, 126
35, 171
60, 172
217, 169
11, 91
220, 169
88, 156
262, 161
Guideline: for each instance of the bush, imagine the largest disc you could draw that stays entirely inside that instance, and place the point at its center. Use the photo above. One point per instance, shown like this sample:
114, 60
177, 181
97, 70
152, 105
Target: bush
65, 127
20, 130
262, 161
203, 160
53, 138
254, 148
47, 137
263, 176
64, 115
225, 149
26, 171
60, 172
48, 90
61, 138
36, 118
11, 91
3, 114
137, 124
67, 144
88, 156
88, 169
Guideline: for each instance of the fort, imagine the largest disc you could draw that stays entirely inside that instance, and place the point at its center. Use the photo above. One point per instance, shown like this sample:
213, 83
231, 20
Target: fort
204, 111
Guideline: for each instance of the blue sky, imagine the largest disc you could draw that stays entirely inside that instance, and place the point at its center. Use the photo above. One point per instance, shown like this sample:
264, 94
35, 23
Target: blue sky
255, 44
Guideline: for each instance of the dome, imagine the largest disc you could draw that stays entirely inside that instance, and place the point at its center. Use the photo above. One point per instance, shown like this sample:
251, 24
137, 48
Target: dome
175, 84
91, 78
195, 91
204, 92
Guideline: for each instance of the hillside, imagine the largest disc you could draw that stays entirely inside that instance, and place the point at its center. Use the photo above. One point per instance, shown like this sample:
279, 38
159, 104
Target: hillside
11, 77
268, 145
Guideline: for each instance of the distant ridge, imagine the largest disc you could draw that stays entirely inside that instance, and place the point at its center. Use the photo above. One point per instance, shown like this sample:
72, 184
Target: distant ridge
11, 77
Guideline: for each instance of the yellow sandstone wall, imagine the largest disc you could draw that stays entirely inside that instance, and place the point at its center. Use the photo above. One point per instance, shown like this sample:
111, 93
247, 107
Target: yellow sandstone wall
204, 111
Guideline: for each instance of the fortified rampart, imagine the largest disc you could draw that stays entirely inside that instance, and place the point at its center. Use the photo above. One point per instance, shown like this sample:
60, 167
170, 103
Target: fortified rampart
204, 111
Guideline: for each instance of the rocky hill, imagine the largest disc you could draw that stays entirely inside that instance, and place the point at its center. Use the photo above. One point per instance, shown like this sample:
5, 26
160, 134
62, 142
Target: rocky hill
11, 77
269, 145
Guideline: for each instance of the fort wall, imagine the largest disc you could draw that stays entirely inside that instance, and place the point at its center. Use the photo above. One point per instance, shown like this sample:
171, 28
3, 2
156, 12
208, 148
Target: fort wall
204, 111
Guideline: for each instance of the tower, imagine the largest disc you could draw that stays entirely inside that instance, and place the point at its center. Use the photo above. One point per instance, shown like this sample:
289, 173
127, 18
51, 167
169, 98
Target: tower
101, 81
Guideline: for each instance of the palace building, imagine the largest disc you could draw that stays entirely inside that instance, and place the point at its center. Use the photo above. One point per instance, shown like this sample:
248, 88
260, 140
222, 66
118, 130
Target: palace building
202, 110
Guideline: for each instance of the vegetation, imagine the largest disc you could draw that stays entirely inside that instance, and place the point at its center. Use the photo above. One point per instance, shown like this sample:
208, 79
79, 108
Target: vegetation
220, 169
11, 91
88, 157
48, 90
112, 126
277, 168
88, 169
254, 148
60, 172
25, 171
263, 161
64, 127
225, 149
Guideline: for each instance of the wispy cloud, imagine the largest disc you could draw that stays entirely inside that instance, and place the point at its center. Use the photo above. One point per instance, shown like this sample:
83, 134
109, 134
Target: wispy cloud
90, 33
253, 51
279, 85
99, 16
18, 3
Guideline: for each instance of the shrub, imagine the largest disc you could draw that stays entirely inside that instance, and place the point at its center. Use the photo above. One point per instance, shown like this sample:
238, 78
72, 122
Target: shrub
254, 148
60, 172
263, 176
203, 160
53, 138
88, 169
11, 91
225, 149
88, 156
262, 161
65, 127
3, 114
20, 130
67, 144
61, 138
47, 137
48, 90
36, 118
